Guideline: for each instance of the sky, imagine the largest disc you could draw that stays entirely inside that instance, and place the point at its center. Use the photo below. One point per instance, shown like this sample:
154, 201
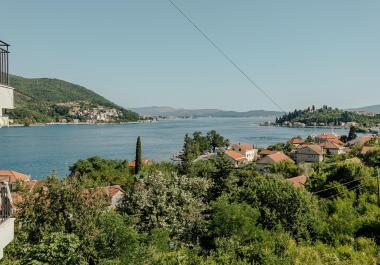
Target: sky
144, 53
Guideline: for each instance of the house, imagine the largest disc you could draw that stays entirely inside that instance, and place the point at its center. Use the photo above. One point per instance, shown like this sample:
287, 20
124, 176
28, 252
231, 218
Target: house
250, 153
311, 153
114, 195
299, 181
6, 91
272, 159
13, 177
324, 137
296, 141
236, 158
331, 148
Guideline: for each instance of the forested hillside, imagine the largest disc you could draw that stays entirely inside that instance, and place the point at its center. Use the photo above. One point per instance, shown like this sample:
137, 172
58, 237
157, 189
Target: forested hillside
327, 116
43, 100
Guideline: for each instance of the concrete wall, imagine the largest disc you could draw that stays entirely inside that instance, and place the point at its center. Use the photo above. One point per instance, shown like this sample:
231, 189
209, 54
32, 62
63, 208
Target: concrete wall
6, 98
6, 234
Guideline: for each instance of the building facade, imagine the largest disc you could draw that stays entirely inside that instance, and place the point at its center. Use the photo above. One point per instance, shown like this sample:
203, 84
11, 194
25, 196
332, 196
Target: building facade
6, 220
6, 92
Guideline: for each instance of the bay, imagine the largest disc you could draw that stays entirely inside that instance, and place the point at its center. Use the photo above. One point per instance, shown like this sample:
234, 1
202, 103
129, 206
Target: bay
38, 151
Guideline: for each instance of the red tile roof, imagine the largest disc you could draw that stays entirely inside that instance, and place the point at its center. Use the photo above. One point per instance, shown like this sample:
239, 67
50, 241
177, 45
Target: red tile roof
234, 155
243, 147
12, 176
367, 149
266, 152
279, 157
144, 161
330, 137
298, 181
316, 148
330, 145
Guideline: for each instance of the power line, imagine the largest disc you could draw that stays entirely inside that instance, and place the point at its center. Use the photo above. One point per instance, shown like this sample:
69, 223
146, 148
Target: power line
224, 54
336, 186
335, 195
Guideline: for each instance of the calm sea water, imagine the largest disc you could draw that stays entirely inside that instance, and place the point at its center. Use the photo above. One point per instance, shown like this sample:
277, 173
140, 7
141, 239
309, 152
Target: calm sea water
37, 151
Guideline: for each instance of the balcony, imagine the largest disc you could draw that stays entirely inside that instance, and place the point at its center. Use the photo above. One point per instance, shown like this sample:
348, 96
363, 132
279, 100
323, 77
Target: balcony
6, 220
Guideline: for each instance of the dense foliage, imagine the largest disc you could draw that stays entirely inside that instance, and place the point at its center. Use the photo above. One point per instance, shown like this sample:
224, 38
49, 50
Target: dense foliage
36, 100
211, 214
328, 115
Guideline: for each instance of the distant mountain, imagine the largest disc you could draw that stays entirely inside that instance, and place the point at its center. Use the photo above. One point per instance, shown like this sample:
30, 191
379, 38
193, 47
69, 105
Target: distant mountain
173, 112
373, 108
45, 100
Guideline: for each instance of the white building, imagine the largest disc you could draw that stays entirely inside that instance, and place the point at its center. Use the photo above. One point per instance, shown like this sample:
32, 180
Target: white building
248, 151
6, 222
6, 92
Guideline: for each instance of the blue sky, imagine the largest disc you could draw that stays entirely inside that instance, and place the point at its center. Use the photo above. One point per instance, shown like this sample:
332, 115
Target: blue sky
142, 52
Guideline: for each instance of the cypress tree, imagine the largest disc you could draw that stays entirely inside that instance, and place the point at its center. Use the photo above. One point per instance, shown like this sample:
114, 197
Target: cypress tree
138, 156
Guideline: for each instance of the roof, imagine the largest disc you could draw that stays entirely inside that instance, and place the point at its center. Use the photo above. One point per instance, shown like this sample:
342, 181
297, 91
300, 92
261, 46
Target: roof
13, 176
330, 137
298, 181
296, 140
367, 149
330, 145
275, 158
234, 155
354, 160
244, 147
315, 148
144, 161
266, 152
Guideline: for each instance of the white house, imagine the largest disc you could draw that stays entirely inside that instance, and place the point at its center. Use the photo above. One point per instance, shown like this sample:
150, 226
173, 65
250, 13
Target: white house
6, 92
248, 151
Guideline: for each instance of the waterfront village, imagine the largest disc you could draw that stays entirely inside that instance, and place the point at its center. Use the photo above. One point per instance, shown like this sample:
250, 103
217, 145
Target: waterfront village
297, 151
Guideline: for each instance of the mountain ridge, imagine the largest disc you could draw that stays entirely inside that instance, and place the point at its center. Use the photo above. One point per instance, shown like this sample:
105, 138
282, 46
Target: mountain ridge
166, 111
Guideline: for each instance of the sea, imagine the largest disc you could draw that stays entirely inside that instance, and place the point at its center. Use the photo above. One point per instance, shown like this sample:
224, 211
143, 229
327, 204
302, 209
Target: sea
40, 151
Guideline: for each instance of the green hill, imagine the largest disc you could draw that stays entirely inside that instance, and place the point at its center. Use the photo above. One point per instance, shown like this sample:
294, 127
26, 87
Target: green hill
328, 116
48, 100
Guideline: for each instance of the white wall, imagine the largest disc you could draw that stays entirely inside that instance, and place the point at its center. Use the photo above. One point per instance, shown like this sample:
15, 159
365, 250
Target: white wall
6, 97
6, 234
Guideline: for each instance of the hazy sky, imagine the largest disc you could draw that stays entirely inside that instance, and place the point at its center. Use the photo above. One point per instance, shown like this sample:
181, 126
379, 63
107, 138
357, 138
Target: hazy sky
142, 52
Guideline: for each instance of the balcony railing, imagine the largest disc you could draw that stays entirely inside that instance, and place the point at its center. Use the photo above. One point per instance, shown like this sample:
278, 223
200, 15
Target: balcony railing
6, 209
4, 63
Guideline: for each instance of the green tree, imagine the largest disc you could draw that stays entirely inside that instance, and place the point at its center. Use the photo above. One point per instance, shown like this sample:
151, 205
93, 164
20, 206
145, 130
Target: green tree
138, 160
352, 133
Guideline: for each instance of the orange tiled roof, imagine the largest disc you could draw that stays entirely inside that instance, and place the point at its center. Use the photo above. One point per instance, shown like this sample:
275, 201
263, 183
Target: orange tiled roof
367, 149
298, 181
316, 148
330, 145
266, 152
234, 155
244, 147
12, 176
354, 160
279, 157
144, 161
330, 137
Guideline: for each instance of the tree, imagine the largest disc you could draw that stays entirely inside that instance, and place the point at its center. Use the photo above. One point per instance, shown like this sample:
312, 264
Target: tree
138, 160
221, 175
171, 202
352, 133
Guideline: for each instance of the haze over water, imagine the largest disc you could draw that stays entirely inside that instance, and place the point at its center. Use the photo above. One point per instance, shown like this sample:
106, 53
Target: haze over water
37, 151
